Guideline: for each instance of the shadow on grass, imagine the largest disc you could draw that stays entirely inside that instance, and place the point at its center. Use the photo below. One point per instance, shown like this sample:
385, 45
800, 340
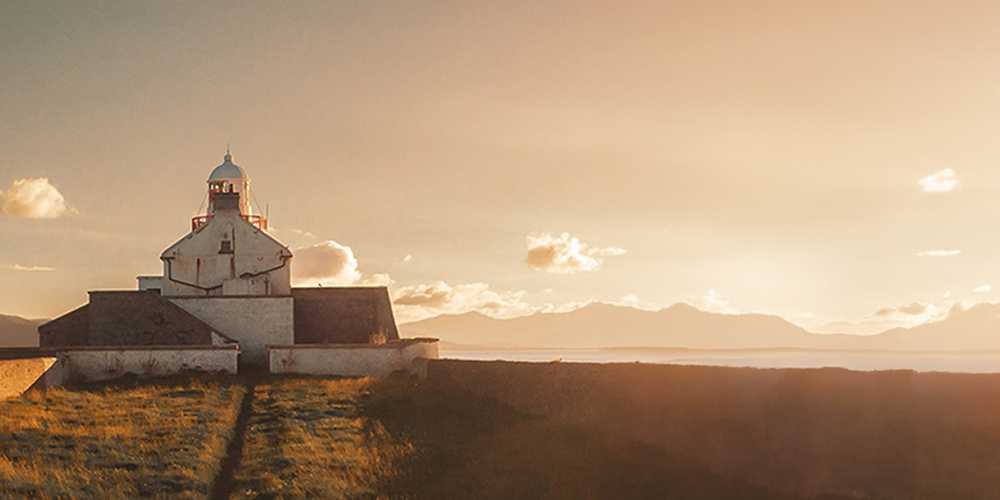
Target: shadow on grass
473, 447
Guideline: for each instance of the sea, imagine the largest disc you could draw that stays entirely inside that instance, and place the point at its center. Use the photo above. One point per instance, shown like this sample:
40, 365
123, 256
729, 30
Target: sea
924, 361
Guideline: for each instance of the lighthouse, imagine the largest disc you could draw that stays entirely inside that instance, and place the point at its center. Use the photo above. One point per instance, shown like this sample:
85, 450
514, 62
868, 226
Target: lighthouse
228, 251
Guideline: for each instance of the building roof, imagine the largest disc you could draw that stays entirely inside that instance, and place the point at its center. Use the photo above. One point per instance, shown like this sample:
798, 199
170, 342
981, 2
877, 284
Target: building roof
227, 170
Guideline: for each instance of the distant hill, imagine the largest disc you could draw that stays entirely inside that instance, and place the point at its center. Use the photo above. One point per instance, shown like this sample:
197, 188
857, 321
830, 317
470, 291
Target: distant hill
681, 325
18, 332
976, 328
606, 325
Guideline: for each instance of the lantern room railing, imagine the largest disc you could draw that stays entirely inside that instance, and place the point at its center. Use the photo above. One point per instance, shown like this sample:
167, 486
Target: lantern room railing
257, 221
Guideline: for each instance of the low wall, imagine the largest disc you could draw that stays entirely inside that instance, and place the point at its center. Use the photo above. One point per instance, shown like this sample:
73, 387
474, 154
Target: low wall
354, 360
19, 374
92, 364
255, 322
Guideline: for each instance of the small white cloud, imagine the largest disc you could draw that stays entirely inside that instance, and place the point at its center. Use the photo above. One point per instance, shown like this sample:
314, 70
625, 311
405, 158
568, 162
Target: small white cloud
408, 258
29, 269
714, 301
416, 302
946, 295
984, 288
326, 262
629, 300
939, 182
33, 198
565, 254
377, 279
301, 232
938, 253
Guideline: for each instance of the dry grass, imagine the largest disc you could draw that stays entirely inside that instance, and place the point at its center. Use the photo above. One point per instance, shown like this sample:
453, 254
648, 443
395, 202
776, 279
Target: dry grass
308, 438
468, 446
157, 439
891, 434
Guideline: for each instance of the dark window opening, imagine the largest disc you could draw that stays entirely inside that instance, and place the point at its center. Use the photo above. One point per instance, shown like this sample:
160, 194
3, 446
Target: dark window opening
227, 247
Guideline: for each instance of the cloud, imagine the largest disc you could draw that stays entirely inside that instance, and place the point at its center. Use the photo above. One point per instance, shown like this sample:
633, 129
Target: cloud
939, 182
984, 288
938, 253
887, 318
29, 269
407, 259
416, 302
33, 198
326, 263
907, 310
301, 232
565, 254
713, 301
377, 279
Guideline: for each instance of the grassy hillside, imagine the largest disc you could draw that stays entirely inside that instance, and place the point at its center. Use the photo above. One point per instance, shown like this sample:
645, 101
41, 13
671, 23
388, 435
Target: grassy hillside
157, 439
308, 438
469, 446
897, 434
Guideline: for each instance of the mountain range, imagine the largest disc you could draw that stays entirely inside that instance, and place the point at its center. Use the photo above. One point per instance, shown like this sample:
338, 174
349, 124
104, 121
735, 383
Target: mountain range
683, 326
678, 326
18, 332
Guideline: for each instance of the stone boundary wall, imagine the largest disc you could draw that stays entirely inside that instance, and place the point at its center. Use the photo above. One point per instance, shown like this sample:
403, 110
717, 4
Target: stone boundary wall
94, 364
353, 360
20, 374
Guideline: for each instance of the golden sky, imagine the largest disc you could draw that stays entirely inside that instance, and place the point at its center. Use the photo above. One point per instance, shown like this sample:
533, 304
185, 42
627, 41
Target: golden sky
513, 157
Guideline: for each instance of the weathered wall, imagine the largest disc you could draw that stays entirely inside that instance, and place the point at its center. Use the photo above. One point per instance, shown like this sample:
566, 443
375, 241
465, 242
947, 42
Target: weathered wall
97, 364
71, 328
342, 315
142, 318
195, 266
254, 322
17, 375
353, 360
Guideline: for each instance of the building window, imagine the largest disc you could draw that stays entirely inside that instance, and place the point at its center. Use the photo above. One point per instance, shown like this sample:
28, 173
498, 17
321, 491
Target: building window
227, 247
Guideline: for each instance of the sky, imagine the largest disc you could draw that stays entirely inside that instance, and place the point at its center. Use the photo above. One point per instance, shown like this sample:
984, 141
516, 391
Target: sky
834, 163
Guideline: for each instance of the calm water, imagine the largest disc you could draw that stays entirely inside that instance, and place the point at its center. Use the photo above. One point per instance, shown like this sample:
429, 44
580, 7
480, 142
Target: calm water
968, 362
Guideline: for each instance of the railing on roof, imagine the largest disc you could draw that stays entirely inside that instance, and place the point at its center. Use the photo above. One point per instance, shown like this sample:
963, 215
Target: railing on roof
257, 221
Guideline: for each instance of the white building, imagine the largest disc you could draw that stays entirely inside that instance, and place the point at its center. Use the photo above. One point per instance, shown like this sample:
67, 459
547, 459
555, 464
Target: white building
227, 280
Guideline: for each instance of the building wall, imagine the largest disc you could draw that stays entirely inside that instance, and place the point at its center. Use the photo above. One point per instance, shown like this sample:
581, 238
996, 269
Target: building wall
353, 360
18, 375
71, 328
194, 265
254, 322
342, 315
93, 365
142, 318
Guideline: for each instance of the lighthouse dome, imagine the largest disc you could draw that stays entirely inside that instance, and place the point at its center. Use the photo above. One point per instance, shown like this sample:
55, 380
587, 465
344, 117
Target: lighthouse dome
227, 170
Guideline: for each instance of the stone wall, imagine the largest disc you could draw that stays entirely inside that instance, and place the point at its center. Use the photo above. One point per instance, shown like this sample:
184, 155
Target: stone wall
71, 328
342, 315
19, 374
254, 322
96, 364
353, 360
142, 318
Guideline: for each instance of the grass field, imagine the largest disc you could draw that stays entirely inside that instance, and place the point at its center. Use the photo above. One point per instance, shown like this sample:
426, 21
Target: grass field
163, 439
308, 438
468, 446
889, 434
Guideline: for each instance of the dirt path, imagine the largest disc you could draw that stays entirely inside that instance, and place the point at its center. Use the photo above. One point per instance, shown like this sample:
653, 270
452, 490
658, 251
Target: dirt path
224, 483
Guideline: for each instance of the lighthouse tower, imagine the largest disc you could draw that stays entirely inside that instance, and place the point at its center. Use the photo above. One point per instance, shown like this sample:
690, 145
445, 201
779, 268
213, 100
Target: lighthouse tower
228, 251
